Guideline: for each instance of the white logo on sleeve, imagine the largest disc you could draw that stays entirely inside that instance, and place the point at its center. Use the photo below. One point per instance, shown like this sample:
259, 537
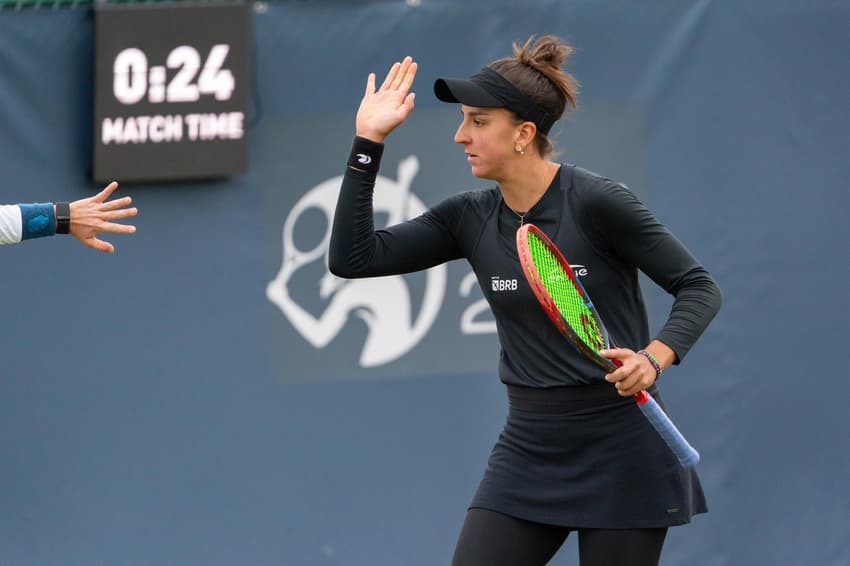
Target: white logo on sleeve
364, 159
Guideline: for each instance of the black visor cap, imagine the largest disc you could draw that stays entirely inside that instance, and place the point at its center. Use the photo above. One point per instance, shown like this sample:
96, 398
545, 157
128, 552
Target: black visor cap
466, 92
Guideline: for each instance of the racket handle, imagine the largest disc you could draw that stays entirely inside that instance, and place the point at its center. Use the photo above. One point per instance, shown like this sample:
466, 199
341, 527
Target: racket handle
687, 456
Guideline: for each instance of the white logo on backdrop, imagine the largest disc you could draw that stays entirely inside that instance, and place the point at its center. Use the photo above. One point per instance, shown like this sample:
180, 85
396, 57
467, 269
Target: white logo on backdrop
384, 303
477, 317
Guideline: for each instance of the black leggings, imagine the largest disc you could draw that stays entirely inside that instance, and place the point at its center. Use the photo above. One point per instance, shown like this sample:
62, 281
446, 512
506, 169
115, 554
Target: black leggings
493, 539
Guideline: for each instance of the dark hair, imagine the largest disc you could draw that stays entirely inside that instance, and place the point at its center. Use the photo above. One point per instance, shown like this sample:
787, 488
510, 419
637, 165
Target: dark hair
536, 71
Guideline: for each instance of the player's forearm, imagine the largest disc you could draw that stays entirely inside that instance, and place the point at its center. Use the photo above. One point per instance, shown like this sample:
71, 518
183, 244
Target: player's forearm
352, 237
695, 306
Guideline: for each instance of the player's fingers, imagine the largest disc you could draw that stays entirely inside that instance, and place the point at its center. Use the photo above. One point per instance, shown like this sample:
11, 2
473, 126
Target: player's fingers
407, 81
620, 388
627, 375
402, 73
108, 190
121, 214
616, 353
370, 84
407, 105
117, 203
616, 376
628, 385
115, 228
628, 391
391, 76
99, 245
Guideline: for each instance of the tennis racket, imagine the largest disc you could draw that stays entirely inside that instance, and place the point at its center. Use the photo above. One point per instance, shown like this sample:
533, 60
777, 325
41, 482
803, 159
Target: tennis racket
566, 302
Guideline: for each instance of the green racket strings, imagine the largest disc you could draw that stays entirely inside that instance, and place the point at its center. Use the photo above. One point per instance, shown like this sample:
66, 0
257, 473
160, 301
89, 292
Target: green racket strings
567, 298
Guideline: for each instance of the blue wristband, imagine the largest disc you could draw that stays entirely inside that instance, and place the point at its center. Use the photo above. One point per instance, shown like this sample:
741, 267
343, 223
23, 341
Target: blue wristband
37, 220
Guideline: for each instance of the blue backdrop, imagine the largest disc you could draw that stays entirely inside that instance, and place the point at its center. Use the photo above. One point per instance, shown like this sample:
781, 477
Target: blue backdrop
208, 395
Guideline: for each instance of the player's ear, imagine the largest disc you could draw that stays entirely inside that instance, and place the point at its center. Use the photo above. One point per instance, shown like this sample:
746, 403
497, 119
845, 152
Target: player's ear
526, 132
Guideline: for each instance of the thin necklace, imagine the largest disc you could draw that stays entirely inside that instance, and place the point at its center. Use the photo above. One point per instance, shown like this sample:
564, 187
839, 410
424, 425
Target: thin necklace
521, 216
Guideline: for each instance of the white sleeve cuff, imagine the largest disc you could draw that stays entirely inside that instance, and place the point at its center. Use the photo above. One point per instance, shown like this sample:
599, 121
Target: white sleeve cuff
11, 226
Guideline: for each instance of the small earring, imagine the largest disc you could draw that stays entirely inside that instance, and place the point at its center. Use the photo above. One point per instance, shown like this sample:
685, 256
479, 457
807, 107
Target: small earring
519, 149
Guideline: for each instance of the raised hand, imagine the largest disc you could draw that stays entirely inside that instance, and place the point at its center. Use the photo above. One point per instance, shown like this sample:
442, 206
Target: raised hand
93, 215
383, 110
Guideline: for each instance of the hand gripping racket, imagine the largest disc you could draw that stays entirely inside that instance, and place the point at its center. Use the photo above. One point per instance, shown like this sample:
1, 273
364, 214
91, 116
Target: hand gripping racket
565, 301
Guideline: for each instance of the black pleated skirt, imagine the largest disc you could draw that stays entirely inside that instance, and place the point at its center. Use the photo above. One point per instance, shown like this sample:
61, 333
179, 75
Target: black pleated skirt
584, 457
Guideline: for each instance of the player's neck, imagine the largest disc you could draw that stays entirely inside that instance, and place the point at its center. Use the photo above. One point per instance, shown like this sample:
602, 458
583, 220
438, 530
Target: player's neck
527, 184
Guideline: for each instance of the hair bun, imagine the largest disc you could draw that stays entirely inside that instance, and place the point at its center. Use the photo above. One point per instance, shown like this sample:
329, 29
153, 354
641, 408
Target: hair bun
547, 51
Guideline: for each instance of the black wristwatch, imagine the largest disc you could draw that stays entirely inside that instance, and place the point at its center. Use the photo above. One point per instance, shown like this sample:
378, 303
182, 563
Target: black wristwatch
63, 218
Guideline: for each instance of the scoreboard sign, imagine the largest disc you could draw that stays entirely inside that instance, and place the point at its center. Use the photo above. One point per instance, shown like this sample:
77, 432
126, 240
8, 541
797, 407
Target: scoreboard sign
171, 91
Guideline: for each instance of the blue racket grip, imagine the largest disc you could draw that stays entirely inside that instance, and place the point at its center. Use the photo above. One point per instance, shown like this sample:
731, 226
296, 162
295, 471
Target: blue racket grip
687, 456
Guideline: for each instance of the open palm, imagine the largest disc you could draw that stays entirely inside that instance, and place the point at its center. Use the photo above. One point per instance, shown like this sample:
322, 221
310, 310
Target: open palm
94, 215
383, 110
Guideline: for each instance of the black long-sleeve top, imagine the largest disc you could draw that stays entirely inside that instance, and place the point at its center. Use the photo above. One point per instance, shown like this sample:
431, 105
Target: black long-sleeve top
602, 229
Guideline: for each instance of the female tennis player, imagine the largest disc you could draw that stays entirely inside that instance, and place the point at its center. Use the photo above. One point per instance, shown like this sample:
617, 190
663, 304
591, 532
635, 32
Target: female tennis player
83, 219
575, 454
